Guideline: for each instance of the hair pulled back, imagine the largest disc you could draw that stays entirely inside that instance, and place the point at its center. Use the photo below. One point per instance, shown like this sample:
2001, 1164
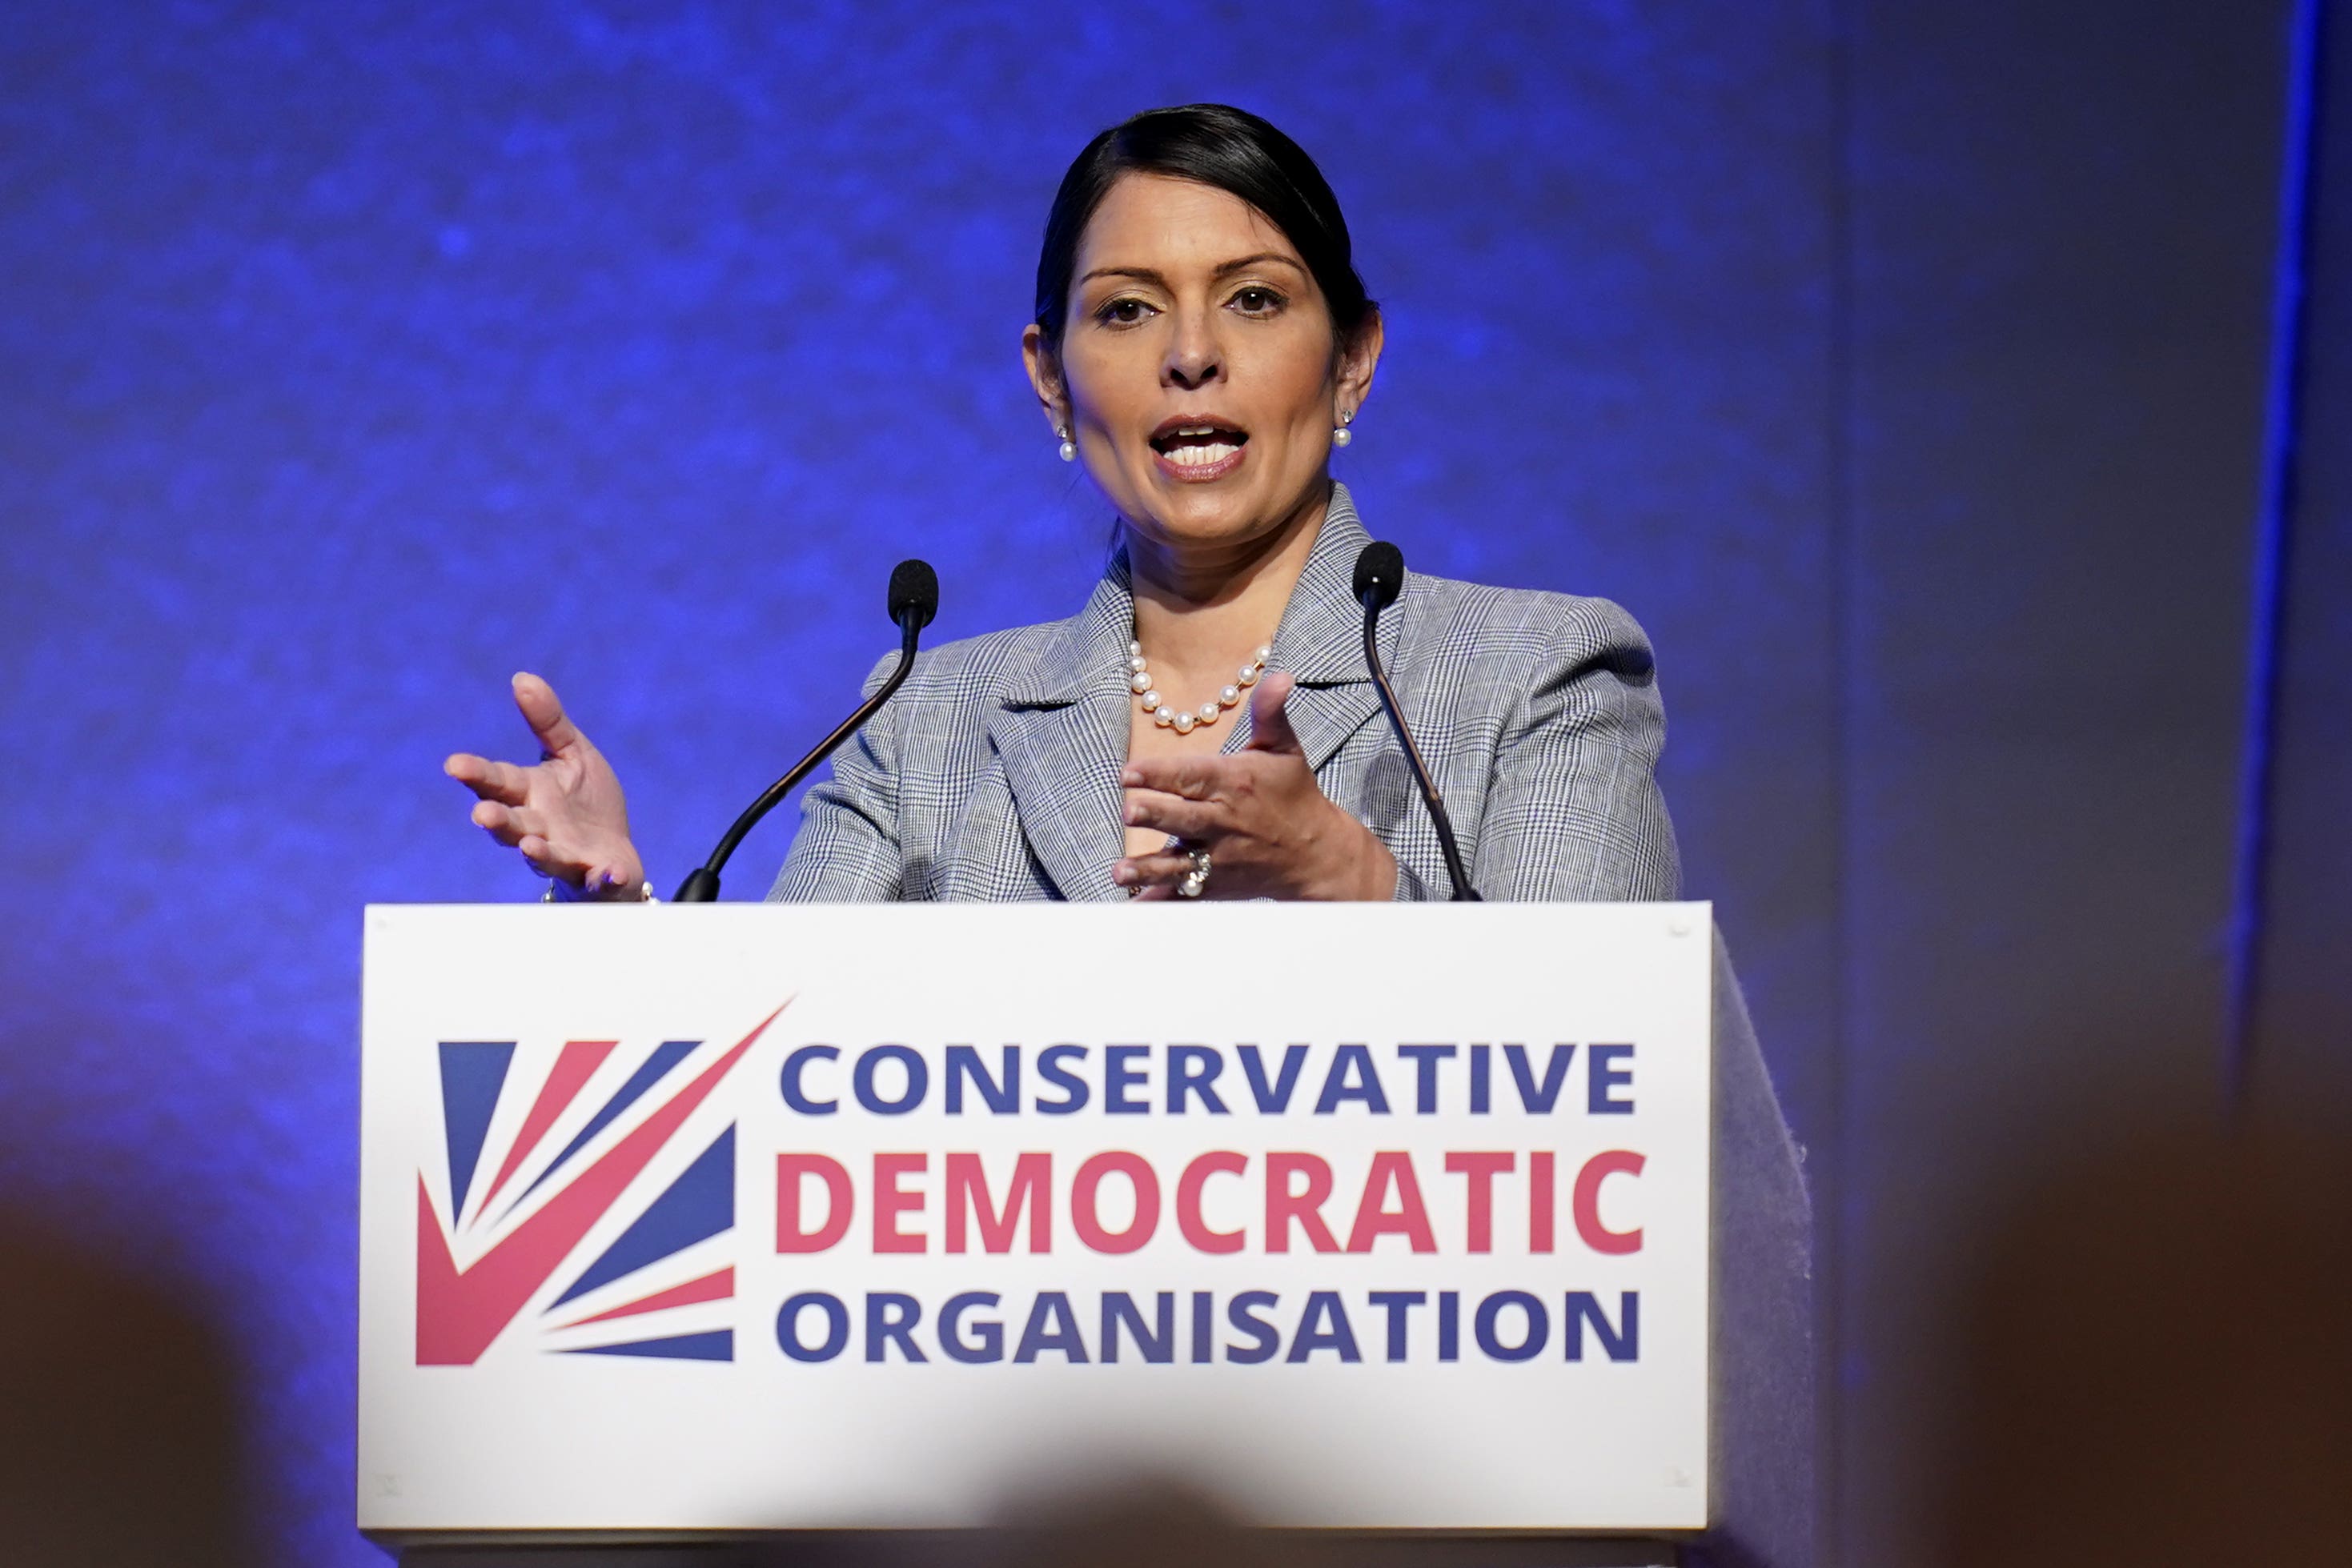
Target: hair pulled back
1213, 144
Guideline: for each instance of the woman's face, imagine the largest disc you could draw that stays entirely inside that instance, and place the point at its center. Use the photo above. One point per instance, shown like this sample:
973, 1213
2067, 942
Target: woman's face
1198, 371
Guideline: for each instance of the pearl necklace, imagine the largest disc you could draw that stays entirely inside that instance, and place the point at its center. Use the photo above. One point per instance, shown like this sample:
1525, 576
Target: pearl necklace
1139, 680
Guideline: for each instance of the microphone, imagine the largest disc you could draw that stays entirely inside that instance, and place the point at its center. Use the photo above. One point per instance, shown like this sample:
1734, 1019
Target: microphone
914, 600
1380, 578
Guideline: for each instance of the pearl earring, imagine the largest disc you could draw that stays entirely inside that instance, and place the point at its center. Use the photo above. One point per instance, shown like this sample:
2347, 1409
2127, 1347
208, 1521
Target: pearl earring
1340, 434
1069, 450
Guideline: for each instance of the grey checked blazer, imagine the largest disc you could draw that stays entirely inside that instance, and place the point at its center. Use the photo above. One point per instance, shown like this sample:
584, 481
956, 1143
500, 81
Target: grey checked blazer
993, 774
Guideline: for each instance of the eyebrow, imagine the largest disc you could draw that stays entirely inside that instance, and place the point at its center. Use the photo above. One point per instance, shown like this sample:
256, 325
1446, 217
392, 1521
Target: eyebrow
1238, 264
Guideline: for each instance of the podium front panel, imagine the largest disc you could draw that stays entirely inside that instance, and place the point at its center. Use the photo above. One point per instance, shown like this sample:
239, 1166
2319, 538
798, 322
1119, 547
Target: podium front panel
748, 1218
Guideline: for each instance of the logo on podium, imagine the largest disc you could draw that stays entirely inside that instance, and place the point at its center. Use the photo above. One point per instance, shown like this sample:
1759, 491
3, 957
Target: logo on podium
522, 1233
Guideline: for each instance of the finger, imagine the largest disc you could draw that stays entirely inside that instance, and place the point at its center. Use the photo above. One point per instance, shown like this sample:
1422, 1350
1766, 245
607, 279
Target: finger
499, 782
507, 824
1175, 814
496, 818
1270, 717
610, 881
543, 711
1193, 778
1151, 871
548, 861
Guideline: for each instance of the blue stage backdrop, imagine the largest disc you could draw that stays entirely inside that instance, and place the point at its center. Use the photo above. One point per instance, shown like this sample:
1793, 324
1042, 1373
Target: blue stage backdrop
353, 357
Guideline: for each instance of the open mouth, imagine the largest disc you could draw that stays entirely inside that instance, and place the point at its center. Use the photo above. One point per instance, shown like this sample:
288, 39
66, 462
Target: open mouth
1198, 444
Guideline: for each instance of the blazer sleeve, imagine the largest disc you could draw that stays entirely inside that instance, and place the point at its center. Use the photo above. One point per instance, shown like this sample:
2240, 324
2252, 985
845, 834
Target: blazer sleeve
1572, 809
847, 849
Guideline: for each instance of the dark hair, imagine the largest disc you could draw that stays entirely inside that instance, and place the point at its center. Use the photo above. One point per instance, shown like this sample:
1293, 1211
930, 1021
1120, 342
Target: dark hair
1230, 149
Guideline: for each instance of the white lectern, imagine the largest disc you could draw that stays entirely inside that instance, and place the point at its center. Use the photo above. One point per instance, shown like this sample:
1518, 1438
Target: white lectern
1468, 1230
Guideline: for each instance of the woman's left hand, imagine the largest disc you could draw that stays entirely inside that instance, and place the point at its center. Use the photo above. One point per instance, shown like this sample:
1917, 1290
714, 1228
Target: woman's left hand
1268, 830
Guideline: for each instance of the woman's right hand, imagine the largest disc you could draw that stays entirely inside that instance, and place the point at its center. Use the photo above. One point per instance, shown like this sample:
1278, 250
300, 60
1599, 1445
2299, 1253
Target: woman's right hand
566, 814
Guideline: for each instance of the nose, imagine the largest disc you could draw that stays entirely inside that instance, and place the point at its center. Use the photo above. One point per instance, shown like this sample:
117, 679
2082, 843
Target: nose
1194, 358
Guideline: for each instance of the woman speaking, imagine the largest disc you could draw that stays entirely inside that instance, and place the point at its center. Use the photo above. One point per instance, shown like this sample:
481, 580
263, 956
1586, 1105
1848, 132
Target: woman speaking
1206, 726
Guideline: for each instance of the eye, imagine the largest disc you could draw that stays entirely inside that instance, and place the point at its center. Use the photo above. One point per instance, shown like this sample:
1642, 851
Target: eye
1123, 311
1257, 301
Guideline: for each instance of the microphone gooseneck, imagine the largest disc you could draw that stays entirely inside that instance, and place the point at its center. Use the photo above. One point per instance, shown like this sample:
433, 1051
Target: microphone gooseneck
914, 600
1380, 578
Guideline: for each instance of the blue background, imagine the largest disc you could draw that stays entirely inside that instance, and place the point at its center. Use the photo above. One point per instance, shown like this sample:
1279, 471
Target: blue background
1910, 370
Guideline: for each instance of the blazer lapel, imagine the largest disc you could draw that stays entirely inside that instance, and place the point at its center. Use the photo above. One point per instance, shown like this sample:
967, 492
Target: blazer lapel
1321, 641
1061, 732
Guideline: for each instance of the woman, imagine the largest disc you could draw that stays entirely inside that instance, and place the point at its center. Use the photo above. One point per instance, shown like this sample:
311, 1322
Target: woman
1207, 725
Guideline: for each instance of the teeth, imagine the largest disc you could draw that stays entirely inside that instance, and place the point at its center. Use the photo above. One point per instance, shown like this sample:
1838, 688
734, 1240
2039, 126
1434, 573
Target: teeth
1201, 456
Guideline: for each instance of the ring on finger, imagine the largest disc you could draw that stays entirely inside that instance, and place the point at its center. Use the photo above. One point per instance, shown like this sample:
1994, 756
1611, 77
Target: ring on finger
1197, 878
1174, 846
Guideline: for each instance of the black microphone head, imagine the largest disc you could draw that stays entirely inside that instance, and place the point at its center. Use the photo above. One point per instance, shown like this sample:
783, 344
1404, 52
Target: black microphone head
914, 595
1380, 575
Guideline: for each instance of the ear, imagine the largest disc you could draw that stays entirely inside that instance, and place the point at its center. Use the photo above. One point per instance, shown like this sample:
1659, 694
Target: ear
1044, 370
1359, 356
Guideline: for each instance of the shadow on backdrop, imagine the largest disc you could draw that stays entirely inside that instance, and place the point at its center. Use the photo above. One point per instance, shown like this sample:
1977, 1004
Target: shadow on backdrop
2147, 1355
119, 1439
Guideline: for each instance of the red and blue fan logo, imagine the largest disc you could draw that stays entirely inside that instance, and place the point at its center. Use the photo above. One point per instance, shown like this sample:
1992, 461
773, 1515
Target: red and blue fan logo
526, 1223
